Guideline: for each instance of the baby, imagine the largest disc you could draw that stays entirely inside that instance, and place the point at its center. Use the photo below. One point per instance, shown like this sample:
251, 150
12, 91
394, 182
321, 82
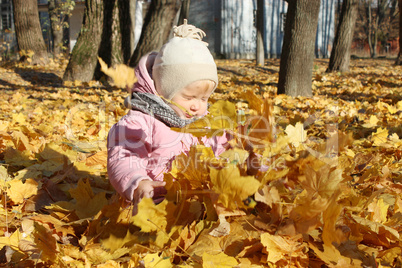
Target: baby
172, 90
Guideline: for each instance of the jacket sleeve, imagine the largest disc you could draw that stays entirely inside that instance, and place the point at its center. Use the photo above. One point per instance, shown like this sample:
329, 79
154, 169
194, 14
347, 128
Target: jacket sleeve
128, 150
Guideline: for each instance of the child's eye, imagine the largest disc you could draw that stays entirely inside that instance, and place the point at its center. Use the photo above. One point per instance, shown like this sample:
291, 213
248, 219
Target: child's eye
204, 99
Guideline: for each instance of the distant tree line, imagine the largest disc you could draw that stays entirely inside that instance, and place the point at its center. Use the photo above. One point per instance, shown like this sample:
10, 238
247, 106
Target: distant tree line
108, 26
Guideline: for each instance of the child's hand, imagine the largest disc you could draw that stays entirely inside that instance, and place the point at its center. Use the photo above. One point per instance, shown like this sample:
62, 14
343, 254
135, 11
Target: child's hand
148, 189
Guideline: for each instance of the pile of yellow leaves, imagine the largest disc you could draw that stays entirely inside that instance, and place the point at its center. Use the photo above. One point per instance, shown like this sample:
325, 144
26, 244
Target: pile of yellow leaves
308, 182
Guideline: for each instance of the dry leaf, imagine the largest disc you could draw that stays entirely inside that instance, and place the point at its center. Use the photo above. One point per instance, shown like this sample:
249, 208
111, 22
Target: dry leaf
18, 191
123, 76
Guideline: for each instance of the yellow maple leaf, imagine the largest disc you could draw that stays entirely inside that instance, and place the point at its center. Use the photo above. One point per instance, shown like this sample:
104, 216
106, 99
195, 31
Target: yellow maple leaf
19, 118
151, 217
235, 155
378, 210
373, 121
153, 260
99, 158
3, 175
231, 187
380, 136
4, 125
368, 226
333, 257
220, 260
97, 255
58, 225
45, 242
399, 105
87, 203
18, 191
263, 125
391, 109
296, 134
12, 241
330, 216
280, 248
222, 116
123, 76
193, 166
321, 179
114, 242
56, 154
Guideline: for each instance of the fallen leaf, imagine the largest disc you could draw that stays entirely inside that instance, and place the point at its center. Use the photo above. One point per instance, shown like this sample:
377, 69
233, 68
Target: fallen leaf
231, 187
217, 261
18, 191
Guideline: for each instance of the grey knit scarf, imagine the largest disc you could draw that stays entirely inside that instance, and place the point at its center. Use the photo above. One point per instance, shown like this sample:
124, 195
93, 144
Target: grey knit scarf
153, 105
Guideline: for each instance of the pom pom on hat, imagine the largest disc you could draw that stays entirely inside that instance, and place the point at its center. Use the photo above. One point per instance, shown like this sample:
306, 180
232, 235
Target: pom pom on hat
182, 60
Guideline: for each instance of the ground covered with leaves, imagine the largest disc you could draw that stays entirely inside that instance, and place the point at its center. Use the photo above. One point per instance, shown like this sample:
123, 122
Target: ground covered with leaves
324, 187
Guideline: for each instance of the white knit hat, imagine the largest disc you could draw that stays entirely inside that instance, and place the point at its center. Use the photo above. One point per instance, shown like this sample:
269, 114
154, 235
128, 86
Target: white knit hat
182, 60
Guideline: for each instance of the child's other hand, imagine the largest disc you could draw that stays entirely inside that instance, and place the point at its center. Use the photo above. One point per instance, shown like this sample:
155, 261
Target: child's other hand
148, 189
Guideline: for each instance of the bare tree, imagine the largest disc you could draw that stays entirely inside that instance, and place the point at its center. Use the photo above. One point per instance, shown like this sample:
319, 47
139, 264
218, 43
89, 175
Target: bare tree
295, 74
28, 31
340, 54
260, 29
59, 11
375, 18
156, 29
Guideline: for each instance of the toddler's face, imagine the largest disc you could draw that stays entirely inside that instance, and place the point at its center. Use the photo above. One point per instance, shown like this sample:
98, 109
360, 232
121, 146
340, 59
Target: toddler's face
193, 98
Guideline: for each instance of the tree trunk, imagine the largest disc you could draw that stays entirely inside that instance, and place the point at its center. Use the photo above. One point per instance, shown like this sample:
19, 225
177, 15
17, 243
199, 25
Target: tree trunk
184, 11
115, 45
370, 28
399, 59
340, 54
56, 27
125, 29
28, 30
83, 59
133, 7
295, 74
156, 29
260, 29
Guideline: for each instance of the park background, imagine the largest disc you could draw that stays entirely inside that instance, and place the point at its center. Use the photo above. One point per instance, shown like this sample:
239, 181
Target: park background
331, 196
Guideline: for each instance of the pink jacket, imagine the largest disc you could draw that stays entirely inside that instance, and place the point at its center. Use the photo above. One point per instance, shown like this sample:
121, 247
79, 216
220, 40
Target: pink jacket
141, 147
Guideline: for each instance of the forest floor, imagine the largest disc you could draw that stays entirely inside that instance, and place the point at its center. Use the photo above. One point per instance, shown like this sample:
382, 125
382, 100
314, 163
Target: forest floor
331, 192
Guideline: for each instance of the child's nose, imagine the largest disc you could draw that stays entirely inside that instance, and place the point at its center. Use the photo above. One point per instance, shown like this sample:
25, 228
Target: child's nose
195, 106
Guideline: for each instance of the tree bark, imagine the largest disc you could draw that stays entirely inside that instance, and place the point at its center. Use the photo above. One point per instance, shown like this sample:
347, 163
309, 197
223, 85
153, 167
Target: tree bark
184, 11
295, 74
260, 28
126, 29
115, 44
340, 54
133, 11
156, 29
399, 58
28, 30
56, 27
83, 59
